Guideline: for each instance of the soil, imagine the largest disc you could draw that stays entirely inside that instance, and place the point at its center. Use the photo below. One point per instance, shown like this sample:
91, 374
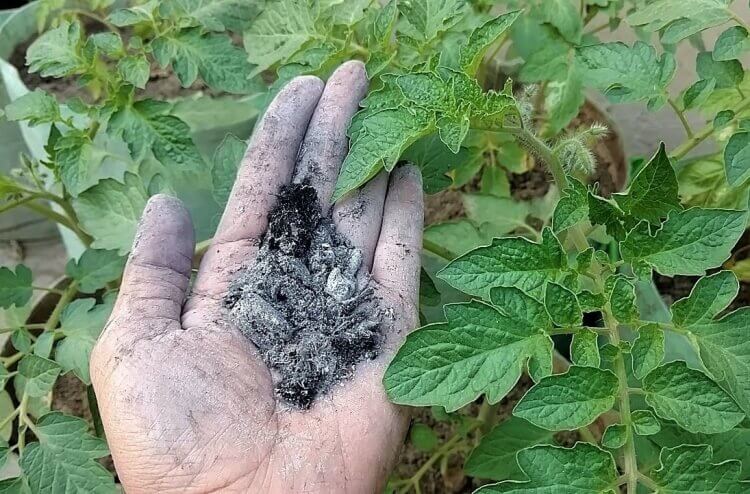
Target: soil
611, 174
302, 302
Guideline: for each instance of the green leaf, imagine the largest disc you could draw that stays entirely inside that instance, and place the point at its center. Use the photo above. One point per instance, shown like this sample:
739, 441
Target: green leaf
690, 398
572, 208
146, 126
428, 293
584, 468
133, 15
56, 53
520, 307
513, 261
81, 323
430, 17
584, 349
495, 456
648, 350
687, 469
622, 300
615, 436
606, 212
569, 401
15, 287
653, 193
688, 243
546, 53
383, 136
221, 64
7, 408
479, 350
95, 268
737, 158
562, 305
435, 160
628, 73
731, 44
214, 15
278, 32
698, 93
39, 375
43, 344
134, 69
21, 340
423, 437
108, 43
38, 107
678, 19
453, 131
65, 458
708, 298
110, 212
563, 14
481, 38
226, 162
381, 28
78, 161
645, 423
14, 485
727, 74
564, 98
723, 118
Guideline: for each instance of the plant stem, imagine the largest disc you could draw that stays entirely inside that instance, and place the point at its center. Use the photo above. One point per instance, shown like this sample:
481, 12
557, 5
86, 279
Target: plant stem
91, 15
65, 298
680, 151
681, 115
445, 449
439, 251
14, 204
630, 465
648, 482
47, 289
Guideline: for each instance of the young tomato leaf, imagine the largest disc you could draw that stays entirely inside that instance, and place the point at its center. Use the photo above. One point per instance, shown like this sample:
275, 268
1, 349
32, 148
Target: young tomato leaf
582, 468
569, 401
562, 305
688, 243
710, 295
572, 207
15, 286
653, 191
521, 307
78, 161
57, 53
678, 19
81, 323
628, 73
622, 300
495, 456
481, 38
381, 29
134, 69
737, 158
478, 350
727, 74
225, 163
605, 212
428, 18
214, 15
648, 350
698, 93
66, 456
95, 268
278, 32
615, 436
220, 64
563, 14
691, 398
564, 98
38, 375
110, 212
133, 15
513, 261
731, 44
584, 349
645, 423
37, 107
690, 469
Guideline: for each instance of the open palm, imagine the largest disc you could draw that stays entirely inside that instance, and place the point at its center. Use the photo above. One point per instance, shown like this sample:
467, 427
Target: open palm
186, 401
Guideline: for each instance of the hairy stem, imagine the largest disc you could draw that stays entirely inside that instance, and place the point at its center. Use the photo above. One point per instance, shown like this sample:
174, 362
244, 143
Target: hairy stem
439, 251
65, 298
681, 115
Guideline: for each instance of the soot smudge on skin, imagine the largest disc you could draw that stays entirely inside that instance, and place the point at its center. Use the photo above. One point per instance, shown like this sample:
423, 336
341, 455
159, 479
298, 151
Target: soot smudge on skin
301, 301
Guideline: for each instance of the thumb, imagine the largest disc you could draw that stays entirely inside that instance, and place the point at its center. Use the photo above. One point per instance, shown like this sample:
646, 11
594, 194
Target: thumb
157, 274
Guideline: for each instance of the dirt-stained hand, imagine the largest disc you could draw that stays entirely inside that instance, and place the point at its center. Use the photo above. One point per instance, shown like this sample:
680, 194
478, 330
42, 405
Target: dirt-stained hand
187, 403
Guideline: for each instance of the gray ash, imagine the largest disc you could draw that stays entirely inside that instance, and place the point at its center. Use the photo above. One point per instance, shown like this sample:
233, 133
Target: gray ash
301, 302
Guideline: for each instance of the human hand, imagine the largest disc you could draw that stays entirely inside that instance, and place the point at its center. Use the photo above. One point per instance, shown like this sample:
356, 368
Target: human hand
186, 401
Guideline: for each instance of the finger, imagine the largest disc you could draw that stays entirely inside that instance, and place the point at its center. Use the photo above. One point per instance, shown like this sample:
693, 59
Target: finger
397, 255
157, 274
359, 216
268, 164
326, 144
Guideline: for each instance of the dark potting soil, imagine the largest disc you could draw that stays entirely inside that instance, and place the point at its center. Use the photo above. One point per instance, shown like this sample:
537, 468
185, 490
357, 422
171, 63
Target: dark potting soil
302, 302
